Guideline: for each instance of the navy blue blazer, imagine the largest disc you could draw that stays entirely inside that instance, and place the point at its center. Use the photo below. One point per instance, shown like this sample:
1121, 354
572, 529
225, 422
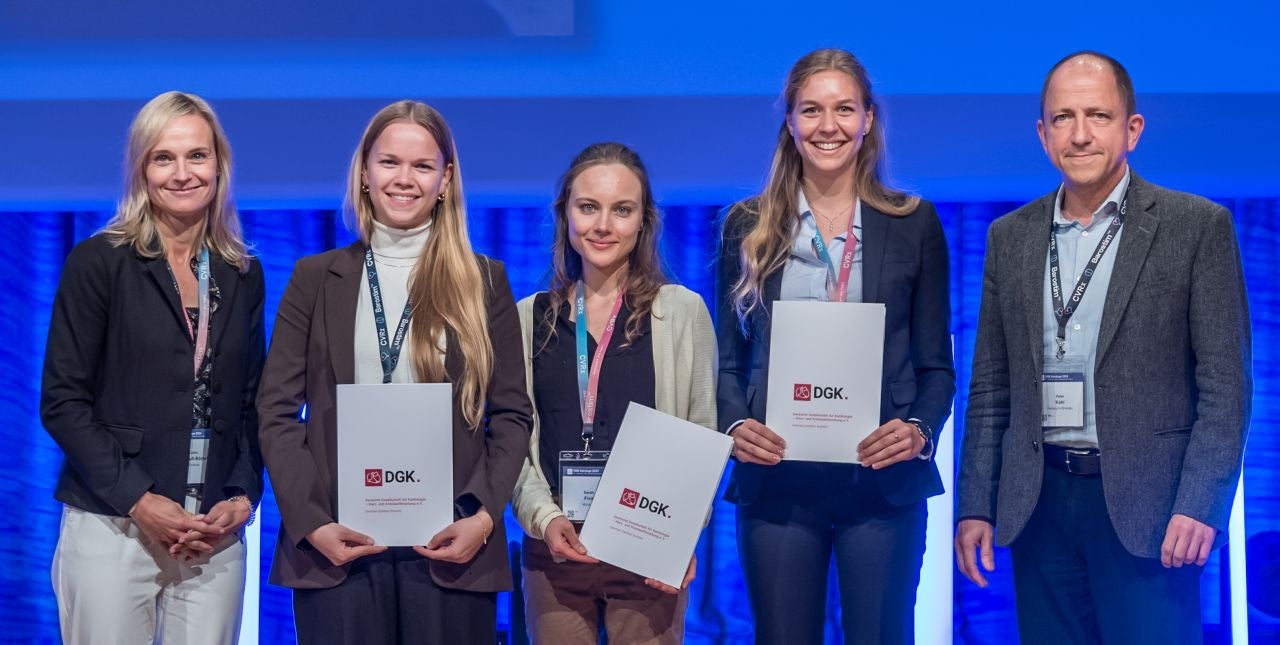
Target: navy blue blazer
117, 389
905, 266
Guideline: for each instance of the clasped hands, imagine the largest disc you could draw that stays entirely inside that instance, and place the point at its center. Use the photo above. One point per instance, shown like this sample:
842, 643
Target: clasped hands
185, 535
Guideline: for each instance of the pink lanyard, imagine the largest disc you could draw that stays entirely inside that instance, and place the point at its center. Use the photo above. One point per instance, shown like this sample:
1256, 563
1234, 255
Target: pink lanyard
840, 281
589, 381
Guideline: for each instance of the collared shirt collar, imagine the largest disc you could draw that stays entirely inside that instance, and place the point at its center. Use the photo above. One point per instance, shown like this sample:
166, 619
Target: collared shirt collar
802, 244
1110, 206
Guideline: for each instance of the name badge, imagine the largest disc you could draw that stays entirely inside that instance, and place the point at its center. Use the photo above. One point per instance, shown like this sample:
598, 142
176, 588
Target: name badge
1062, 397
580, 472
197, 457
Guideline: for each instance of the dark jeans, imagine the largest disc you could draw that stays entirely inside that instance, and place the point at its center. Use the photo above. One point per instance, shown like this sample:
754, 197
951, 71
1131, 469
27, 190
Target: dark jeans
1076, 583
807, 512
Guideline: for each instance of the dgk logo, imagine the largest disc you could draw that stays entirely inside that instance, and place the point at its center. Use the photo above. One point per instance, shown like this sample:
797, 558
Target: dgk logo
808, 392
378, 476
632, 499
629, 498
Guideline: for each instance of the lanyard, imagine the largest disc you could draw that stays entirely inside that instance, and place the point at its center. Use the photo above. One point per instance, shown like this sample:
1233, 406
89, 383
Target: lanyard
589, 381
388, 348
1062, 312
838, 283
200, 334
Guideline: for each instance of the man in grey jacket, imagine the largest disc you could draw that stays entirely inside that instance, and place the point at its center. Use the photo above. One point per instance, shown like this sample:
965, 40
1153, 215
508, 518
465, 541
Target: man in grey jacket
1111, 384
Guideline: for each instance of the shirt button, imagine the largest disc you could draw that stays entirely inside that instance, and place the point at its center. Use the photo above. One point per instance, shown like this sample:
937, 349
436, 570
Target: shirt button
1084, 233
1077, 327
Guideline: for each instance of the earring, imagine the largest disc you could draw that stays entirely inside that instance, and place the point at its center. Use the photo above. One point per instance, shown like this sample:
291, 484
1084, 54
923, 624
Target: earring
364, 188
440, 197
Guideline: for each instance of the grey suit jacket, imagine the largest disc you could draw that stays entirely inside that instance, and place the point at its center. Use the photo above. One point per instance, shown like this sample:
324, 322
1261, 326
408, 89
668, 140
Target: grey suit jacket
1173, 378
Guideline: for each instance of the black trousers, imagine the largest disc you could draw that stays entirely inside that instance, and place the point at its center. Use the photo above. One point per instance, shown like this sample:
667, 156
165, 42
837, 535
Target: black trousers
1076, 583
786, 539
389, 599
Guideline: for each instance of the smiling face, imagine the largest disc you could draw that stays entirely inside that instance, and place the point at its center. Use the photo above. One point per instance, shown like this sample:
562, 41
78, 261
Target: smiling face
605, 211
406, 173
1085, 128
828, 120
182, 169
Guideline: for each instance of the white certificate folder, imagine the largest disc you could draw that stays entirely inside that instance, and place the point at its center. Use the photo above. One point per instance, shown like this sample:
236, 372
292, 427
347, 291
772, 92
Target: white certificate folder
825, 361
655, 494
395, 460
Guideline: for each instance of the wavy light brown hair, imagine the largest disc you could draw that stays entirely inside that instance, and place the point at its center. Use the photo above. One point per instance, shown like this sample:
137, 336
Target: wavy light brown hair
644, 265
764, 248
446, 284
134, 221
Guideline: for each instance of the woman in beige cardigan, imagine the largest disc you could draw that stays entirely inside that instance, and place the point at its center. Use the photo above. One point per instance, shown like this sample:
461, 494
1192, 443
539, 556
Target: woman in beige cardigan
606, 270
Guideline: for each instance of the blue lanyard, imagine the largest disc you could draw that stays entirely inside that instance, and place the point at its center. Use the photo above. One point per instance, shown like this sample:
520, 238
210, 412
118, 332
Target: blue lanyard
388, 348
589, 378
838, 283
199, 334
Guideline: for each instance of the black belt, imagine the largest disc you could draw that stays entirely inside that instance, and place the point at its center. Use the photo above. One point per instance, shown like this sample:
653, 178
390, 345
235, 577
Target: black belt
1085, 462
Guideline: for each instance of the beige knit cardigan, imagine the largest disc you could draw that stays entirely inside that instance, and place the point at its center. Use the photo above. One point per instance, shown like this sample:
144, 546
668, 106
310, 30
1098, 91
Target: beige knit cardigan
684, 367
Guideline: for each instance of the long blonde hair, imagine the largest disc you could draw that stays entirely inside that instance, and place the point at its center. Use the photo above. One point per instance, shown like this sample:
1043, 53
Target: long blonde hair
765, 245
446, 284
134, 220
644, 266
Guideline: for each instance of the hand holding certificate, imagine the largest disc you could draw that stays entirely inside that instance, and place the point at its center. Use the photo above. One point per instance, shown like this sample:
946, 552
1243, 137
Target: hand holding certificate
655, 494
825, 362
395, 461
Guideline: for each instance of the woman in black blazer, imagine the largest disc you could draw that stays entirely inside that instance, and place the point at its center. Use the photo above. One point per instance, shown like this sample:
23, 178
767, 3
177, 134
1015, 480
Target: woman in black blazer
154, 352
793, 516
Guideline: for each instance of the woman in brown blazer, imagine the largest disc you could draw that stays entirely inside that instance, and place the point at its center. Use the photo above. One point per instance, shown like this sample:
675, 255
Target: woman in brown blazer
405, 193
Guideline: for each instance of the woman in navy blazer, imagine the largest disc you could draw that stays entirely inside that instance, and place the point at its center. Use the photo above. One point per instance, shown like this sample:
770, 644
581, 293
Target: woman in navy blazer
142, 555
792, 516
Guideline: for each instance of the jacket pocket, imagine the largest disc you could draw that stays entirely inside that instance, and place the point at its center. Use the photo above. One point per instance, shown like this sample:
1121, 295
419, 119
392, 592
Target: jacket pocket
1180, 431
129, 437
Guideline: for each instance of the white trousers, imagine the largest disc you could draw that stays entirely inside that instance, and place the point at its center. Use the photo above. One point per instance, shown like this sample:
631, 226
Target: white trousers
115, 585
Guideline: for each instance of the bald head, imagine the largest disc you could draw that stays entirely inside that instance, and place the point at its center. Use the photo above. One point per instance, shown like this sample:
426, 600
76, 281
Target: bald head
1093, 59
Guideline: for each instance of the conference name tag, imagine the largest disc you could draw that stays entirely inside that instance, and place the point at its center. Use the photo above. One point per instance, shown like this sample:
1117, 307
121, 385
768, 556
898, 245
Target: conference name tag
1062, 396
197, 458
580, 472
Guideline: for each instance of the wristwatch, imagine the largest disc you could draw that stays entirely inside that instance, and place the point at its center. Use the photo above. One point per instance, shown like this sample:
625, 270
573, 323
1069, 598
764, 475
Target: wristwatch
925, 431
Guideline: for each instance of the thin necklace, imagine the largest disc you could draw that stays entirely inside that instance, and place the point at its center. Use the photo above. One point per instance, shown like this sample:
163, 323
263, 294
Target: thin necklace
831, 221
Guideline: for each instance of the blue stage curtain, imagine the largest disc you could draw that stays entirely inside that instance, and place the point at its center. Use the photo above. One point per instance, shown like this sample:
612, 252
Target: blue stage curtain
34, 244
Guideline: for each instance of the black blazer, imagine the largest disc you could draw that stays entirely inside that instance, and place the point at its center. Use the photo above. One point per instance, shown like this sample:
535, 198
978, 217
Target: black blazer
117, 387
905, 266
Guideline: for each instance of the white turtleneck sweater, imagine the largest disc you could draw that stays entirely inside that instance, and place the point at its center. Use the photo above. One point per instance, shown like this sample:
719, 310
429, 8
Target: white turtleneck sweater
395, 251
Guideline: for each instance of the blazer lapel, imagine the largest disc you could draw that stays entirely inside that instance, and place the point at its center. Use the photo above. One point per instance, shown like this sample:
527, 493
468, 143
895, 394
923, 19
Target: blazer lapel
1135, 242
341, 295
1034, 260
875, 232
227, 277
157, 269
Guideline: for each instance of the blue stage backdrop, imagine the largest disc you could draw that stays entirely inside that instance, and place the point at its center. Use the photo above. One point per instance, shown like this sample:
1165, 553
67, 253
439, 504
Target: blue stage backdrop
34, 244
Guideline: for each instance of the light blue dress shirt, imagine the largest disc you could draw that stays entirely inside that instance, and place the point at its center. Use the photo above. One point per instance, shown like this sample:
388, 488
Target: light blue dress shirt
1076, 245
804, 277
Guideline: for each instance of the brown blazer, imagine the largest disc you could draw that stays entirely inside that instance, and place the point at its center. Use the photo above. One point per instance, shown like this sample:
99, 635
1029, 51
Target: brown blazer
312, 350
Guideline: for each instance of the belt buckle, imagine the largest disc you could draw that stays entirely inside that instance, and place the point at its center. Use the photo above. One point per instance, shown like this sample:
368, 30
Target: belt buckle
1072, 452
